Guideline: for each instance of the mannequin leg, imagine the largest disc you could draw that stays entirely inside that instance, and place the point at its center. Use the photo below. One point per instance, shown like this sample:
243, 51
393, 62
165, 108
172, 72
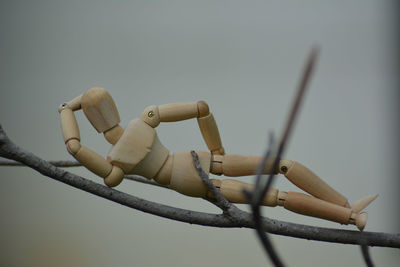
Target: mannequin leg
311, 206
300, 203
302, 177
183, 177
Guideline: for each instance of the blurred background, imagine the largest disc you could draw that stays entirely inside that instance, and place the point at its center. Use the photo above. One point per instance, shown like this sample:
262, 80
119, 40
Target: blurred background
244, 58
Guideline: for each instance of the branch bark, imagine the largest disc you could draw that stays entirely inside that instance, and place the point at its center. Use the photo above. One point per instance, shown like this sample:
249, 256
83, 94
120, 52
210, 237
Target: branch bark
220, 200
241, 218
74, 163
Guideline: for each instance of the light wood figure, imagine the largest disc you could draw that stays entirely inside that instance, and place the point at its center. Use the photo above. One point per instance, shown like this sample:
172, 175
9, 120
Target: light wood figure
137, 150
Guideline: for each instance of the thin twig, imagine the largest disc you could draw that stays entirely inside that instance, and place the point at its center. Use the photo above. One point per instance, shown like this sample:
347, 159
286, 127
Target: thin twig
57, 163
293, 113
73, 163
242, 219
256, 200
220, 200
259, 193
144, 180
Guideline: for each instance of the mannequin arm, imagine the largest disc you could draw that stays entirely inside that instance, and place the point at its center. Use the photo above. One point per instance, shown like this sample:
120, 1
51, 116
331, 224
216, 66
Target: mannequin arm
153, 115
112, 175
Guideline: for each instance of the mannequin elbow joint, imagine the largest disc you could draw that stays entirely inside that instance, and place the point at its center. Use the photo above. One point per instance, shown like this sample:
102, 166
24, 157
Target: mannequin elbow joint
73, 146
203, 108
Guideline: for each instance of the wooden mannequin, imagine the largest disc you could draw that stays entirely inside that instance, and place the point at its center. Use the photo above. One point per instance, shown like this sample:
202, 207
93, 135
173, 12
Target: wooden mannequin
137, 150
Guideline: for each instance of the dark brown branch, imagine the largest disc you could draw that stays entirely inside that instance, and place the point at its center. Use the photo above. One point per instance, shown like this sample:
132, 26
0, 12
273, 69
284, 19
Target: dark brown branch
259, 192
256, 198
242, 219
292, 116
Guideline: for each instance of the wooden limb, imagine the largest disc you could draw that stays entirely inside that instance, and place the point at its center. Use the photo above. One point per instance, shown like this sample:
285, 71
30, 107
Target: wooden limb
172, 112
69, 126
75, 104
112, 175
209, 129
210, 133
311, 206
91, 160
308, 181
238, 165
178, 111
232, 190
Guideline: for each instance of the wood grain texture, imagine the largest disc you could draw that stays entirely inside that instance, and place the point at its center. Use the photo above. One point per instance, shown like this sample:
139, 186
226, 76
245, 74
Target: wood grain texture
306, 180
69, 126
178, 111
311, 206
100, 109
210, 133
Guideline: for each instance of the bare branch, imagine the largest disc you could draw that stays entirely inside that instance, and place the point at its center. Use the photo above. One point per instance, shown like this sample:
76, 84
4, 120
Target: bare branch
256, 199
220, 200
74, 163
259, 192
57, 163
143, 180
241, 218
292, 116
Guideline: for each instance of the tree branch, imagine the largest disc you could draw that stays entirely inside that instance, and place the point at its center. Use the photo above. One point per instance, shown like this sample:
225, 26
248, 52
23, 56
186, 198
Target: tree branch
255, 198
259, 191
242, 219
220, 200
74, 163
57, 163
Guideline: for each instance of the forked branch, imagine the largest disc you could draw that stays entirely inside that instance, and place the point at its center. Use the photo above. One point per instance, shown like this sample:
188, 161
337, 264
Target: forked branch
11, 151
